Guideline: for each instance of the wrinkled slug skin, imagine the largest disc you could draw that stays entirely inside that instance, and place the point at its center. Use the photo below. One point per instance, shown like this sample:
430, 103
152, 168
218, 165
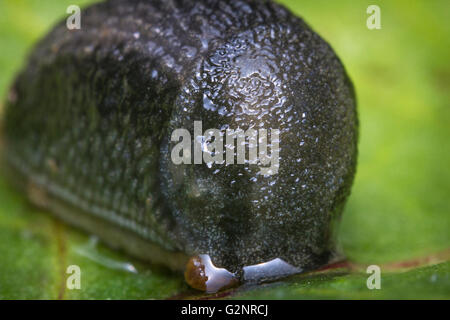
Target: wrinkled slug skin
90, 118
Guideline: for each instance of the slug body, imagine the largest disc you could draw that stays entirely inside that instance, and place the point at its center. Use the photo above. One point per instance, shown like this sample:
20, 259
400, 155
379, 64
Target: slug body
88, 129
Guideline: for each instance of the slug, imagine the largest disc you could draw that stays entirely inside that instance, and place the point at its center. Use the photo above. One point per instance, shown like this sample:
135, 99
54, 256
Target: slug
90, 133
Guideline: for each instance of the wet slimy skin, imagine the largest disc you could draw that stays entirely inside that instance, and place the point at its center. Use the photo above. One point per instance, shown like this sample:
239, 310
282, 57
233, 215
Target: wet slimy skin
90, 119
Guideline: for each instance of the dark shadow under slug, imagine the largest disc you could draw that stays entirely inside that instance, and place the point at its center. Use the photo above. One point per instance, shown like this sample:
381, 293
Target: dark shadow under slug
88, 134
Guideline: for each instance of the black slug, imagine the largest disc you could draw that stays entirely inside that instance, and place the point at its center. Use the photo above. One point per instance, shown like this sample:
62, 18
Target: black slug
217, 135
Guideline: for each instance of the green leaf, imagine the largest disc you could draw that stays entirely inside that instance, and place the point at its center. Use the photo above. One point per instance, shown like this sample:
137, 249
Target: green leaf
432, 282
399, 208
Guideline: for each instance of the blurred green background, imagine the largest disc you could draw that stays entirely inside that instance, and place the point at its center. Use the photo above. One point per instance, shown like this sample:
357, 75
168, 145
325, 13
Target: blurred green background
399, 208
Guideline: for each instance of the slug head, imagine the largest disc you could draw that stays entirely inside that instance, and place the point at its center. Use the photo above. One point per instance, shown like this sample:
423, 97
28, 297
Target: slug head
275, 77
